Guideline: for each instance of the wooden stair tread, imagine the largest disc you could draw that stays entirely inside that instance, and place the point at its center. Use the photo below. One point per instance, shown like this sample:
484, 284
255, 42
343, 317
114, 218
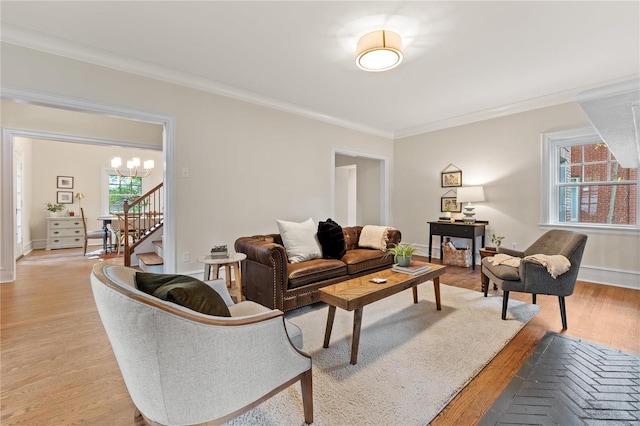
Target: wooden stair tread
150, 259
158, 243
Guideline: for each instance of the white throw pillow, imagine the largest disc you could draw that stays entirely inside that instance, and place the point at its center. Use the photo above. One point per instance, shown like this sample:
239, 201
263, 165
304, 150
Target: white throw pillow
300, 240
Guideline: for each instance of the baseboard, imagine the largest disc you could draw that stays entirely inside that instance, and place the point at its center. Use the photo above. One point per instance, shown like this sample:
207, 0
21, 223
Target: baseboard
592, 274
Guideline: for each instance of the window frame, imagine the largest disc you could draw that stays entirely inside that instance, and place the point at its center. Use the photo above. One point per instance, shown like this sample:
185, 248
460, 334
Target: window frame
105, 190
549, 208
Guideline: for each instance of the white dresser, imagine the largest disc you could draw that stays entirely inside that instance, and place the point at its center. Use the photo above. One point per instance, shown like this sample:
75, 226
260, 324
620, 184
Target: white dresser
64, 232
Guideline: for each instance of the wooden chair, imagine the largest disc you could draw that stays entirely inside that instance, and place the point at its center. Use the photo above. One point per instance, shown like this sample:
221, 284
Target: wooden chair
129, 224
97, 234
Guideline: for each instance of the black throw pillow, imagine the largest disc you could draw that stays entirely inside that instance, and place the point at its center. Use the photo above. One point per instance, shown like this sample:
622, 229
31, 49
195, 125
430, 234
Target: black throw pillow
183, 290
331, 240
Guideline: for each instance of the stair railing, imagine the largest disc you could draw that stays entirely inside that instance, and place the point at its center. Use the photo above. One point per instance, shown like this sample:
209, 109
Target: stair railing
143, 217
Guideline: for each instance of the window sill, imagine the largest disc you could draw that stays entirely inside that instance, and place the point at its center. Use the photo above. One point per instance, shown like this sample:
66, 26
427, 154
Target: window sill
594, 228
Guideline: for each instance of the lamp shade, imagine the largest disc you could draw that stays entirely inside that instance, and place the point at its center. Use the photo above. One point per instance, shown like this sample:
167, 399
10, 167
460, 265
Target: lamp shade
470, 194
379, 51
79, 195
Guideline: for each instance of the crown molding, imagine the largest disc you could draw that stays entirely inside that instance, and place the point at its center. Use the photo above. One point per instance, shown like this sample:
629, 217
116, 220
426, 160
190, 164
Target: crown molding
501, 111
13, 34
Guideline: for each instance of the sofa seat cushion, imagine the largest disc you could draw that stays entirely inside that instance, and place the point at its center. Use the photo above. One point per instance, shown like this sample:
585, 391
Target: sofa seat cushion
504, 272
359, 260
313, 271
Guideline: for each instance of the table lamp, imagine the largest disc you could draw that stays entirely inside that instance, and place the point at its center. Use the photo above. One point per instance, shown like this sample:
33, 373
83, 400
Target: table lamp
79, 196
469, 194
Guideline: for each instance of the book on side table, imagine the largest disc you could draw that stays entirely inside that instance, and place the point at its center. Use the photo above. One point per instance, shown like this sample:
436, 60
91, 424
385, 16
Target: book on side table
415, 267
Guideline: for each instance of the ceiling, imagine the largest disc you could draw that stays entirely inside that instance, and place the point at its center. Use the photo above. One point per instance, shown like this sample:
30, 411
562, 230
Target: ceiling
464, 61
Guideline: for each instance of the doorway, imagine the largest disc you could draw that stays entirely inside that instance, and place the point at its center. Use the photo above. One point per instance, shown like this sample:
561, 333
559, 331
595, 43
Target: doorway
8, 221
360, 188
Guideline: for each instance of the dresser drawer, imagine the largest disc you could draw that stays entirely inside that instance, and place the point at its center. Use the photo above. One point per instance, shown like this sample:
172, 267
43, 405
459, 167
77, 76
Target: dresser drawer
65, 223
452, 230
65, 242
66, 232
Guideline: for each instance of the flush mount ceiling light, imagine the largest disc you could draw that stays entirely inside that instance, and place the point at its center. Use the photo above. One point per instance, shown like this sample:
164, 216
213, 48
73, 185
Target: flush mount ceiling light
379, 51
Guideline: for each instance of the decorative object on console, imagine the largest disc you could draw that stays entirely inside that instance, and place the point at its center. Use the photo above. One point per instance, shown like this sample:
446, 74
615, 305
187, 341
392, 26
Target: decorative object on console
133, 166
379, 51
402, 253
451, 178
54, 209
219, 252
469, 194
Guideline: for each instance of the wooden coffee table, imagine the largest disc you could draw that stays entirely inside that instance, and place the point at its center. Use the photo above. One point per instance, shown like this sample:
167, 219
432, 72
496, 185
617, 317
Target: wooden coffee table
355, 294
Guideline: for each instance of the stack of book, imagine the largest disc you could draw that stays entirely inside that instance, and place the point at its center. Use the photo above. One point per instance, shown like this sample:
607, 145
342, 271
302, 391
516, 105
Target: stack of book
416, 267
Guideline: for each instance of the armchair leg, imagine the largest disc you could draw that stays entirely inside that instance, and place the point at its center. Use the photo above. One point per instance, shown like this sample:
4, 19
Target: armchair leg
505, 301
307, 396
563, 312
534, 298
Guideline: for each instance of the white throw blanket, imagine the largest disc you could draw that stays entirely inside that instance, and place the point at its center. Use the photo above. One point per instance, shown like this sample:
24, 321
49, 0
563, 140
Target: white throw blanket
556, 264
504, 259
374, 236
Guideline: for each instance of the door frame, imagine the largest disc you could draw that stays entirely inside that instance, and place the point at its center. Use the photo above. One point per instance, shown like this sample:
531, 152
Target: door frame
7, 225
384, 179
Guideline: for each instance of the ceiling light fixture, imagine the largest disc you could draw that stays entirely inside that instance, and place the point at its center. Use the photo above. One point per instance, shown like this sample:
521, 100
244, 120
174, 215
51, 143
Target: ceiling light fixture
133, 167
379, 51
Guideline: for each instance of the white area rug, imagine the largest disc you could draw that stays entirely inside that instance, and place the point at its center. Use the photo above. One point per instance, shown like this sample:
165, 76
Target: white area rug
412, 360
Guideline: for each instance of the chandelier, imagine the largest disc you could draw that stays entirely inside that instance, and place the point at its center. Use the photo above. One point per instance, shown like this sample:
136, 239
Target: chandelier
133, 167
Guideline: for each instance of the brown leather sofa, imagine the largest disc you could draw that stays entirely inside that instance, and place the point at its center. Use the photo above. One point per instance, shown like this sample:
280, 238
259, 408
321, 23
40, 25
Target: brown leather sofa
269, 279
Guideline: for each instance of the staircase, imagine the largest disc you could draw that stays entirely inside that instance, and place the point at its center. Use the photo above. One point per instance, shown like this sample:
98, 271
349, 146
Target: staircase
152, 261
147, 222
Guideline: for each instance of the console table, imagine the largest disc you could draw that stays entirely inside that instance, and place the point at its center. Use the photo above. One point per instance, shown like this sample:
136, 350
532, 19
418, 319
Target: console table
458, 229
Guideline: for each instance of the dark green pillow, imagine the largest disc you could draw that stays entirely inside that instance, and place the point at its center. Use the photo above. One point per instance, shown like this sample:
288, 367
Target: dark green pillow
184, 290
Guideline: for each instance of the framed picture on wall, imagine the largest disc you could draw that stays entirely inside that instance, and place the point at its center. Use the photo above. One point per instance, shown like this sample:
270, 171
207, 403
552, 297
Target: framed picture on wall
451, 179
65, 182
449, 204
65, 197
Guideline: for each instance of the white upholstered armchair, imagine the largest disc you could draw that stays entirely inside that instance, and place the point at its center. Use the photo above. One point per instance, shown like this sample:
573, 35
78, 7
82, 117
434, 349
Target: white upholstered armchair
183, 367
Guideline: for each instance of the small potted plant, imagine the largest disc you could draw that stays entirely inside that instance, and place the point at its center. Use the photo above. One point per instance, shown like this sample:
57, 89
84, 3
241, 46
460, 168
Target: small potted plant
497, 240
402, 253
54, 209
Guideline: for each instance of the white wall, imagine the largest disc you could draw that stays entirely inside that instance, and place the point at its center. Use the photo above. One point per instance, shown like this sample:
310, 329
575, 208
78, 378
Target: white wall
503, 155
24, 147
247, 165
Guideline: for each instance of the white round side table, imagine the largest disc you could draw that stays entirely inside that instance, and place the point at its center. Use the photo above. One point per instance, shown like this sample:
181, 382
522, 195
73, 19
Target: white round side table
231, 261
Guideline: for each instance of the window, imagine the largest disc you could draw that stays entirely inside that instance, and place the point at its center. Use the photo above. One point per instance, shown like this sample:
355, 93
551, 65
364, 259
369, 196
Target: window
585, 185
123, 189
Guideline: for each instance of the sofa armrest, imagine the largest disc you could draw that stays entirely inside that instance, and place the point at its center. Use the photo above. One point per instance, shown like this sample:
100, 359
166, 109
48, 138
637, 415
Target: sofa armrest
264, 269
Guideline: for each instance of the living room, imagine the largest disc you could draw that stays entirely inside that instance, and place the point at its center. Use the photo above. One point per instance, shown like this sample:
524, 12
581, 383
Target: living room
235, 164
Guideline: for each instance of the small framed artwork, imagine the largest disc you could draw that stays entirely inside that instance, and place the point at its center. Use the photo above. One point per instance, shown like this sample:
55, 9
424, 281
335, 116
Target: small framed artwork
65, 197
449, 204
451, 179
65, 182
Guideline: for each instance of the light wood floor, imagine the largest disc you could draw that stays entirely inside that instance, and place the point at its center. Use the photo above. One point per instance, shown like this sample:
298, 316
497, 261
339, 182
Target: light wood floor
57, 367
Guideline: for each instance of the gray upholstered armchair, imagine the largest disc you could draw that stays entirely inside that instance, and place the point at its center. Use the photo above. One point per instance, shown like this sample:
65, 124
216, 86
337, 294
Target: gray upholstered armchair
532, 277
183, 367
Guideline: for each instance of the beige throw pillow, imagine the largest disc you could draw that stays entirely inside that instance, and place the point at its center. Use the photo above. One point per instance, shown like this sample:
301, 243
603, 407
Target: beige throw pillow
374, 237
300, 240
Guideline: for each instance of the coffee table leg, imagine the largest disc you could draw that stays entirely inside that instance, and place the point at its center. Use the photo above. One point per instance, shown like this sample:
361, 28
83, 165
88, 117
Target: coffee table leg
327, 332
357, 323
436, 289
415, 294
